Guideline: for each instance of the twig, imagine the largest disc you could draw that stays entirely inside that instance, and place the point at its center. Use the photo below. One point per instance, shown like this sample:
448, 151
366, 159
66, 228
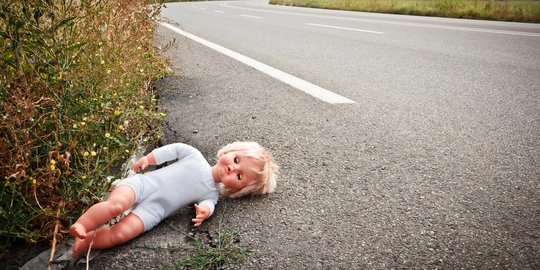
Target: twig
53, 249
37, 201
89, 250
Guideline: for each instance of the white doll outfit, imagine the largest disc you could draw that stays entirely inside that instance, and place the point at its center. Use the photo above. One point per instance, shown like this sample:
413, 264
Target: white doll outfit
162, 192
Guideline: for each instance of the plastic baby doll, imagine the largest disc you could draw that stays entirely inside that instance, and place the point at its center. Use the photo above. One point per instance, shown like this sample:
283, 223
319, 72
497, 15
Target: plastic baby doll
242, 168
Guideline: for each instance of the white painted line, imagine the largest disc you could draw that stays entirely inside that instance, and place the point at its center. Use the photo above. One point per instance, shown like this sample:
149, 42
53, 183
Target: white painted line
253, 17
202, 8
289, 79
344, 28
473, 29
219, 11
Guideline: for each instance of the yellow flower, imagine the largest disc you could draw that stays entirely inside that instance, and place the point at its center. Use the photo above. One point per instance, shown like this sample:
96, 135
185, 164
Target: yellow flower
93, 153
74, 125
121, 127
83, 177
53, 162
83, 123
84, 119
162, 114
108, 71
103, 62
117, 112
107, 135
86, 153
52, 167
127, 151
33, 181
142, 70
142, 107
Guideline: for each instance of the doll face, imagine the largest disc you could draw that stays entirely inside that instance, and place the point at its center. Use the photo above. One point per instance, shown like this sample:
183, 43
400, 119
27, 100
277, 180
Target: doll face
236, 171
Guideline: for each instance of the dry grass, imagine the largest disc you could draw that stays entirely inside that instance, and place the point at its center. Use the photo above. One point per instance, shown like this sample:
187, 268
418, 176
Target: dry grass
509, 10
76, 100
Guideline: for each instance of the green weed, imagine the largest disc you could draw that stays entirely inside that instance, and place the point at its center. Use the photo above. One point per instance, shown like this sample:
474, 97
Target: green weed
211, 252
214, 253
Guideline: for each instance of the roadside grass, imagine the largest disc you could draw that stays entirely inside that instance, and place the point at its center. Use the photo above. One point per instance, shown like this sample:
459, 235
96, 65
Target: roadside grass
211, 252
214, 253
502, 10
76, 101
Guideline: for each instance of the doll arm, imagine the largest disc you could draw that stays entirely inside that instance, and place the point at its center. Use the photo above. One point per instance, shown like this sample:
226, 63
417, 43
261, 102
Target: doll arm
172, 152
144, 162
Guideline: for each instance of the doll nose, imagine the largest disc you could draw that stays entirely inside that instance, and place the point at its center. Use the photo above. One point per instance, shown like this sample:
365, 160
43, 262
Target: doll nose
232, 168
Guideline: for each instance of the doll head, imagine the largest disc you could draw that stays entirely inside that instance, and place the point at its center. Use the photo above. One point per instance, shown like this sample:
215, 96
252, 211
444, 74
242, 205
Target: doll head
257, 163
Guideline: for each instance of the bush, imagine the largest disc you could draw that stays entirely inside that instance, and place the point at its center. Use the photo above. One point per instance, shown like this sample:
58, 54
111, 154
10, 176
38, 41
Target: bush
76, 101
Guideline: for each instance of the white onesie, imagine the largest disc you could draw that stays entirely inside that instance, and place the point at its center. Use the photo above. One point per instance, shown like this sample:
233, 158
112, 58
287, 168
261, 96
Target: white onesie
162, 192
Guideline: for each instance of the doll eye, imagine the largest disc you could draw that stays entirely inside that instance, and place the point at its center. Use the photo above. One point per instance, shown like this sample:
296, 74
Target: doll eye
239, 177
236, 160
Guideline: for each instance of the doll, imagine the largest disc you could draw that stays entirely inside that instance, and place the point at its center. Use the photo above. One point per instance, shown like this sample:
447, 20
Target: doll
242, 168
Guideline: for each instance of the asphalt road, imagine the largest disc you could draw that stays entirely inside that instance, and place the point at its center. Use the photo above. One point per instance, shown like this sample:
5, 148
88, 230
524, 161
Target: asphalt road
434, 166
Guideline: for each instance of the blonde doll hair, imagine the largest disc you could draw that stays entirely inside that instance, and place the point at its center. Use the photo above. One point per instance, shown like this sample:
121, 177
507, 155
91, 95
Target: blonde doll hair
266, 182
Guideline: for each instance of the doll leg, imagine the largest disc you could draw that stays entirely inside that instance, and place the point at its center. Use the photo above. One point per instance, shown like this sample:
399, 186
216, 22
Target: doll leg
120, 199
126, 229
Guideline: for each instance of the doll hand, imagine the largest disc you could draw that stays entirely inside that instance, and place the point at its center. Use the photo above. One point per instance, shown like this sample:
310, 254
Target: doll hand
143, 163
202, 213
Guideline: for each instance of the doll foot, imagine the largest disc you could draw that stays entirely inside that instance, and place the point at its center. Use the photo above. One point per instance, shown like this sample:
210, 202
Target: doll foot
78, 231
79, 247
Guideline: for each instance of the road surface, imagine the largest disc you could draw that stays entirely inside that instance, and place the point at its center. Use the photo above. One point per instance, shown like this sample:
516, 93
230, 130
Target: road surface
430, 160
